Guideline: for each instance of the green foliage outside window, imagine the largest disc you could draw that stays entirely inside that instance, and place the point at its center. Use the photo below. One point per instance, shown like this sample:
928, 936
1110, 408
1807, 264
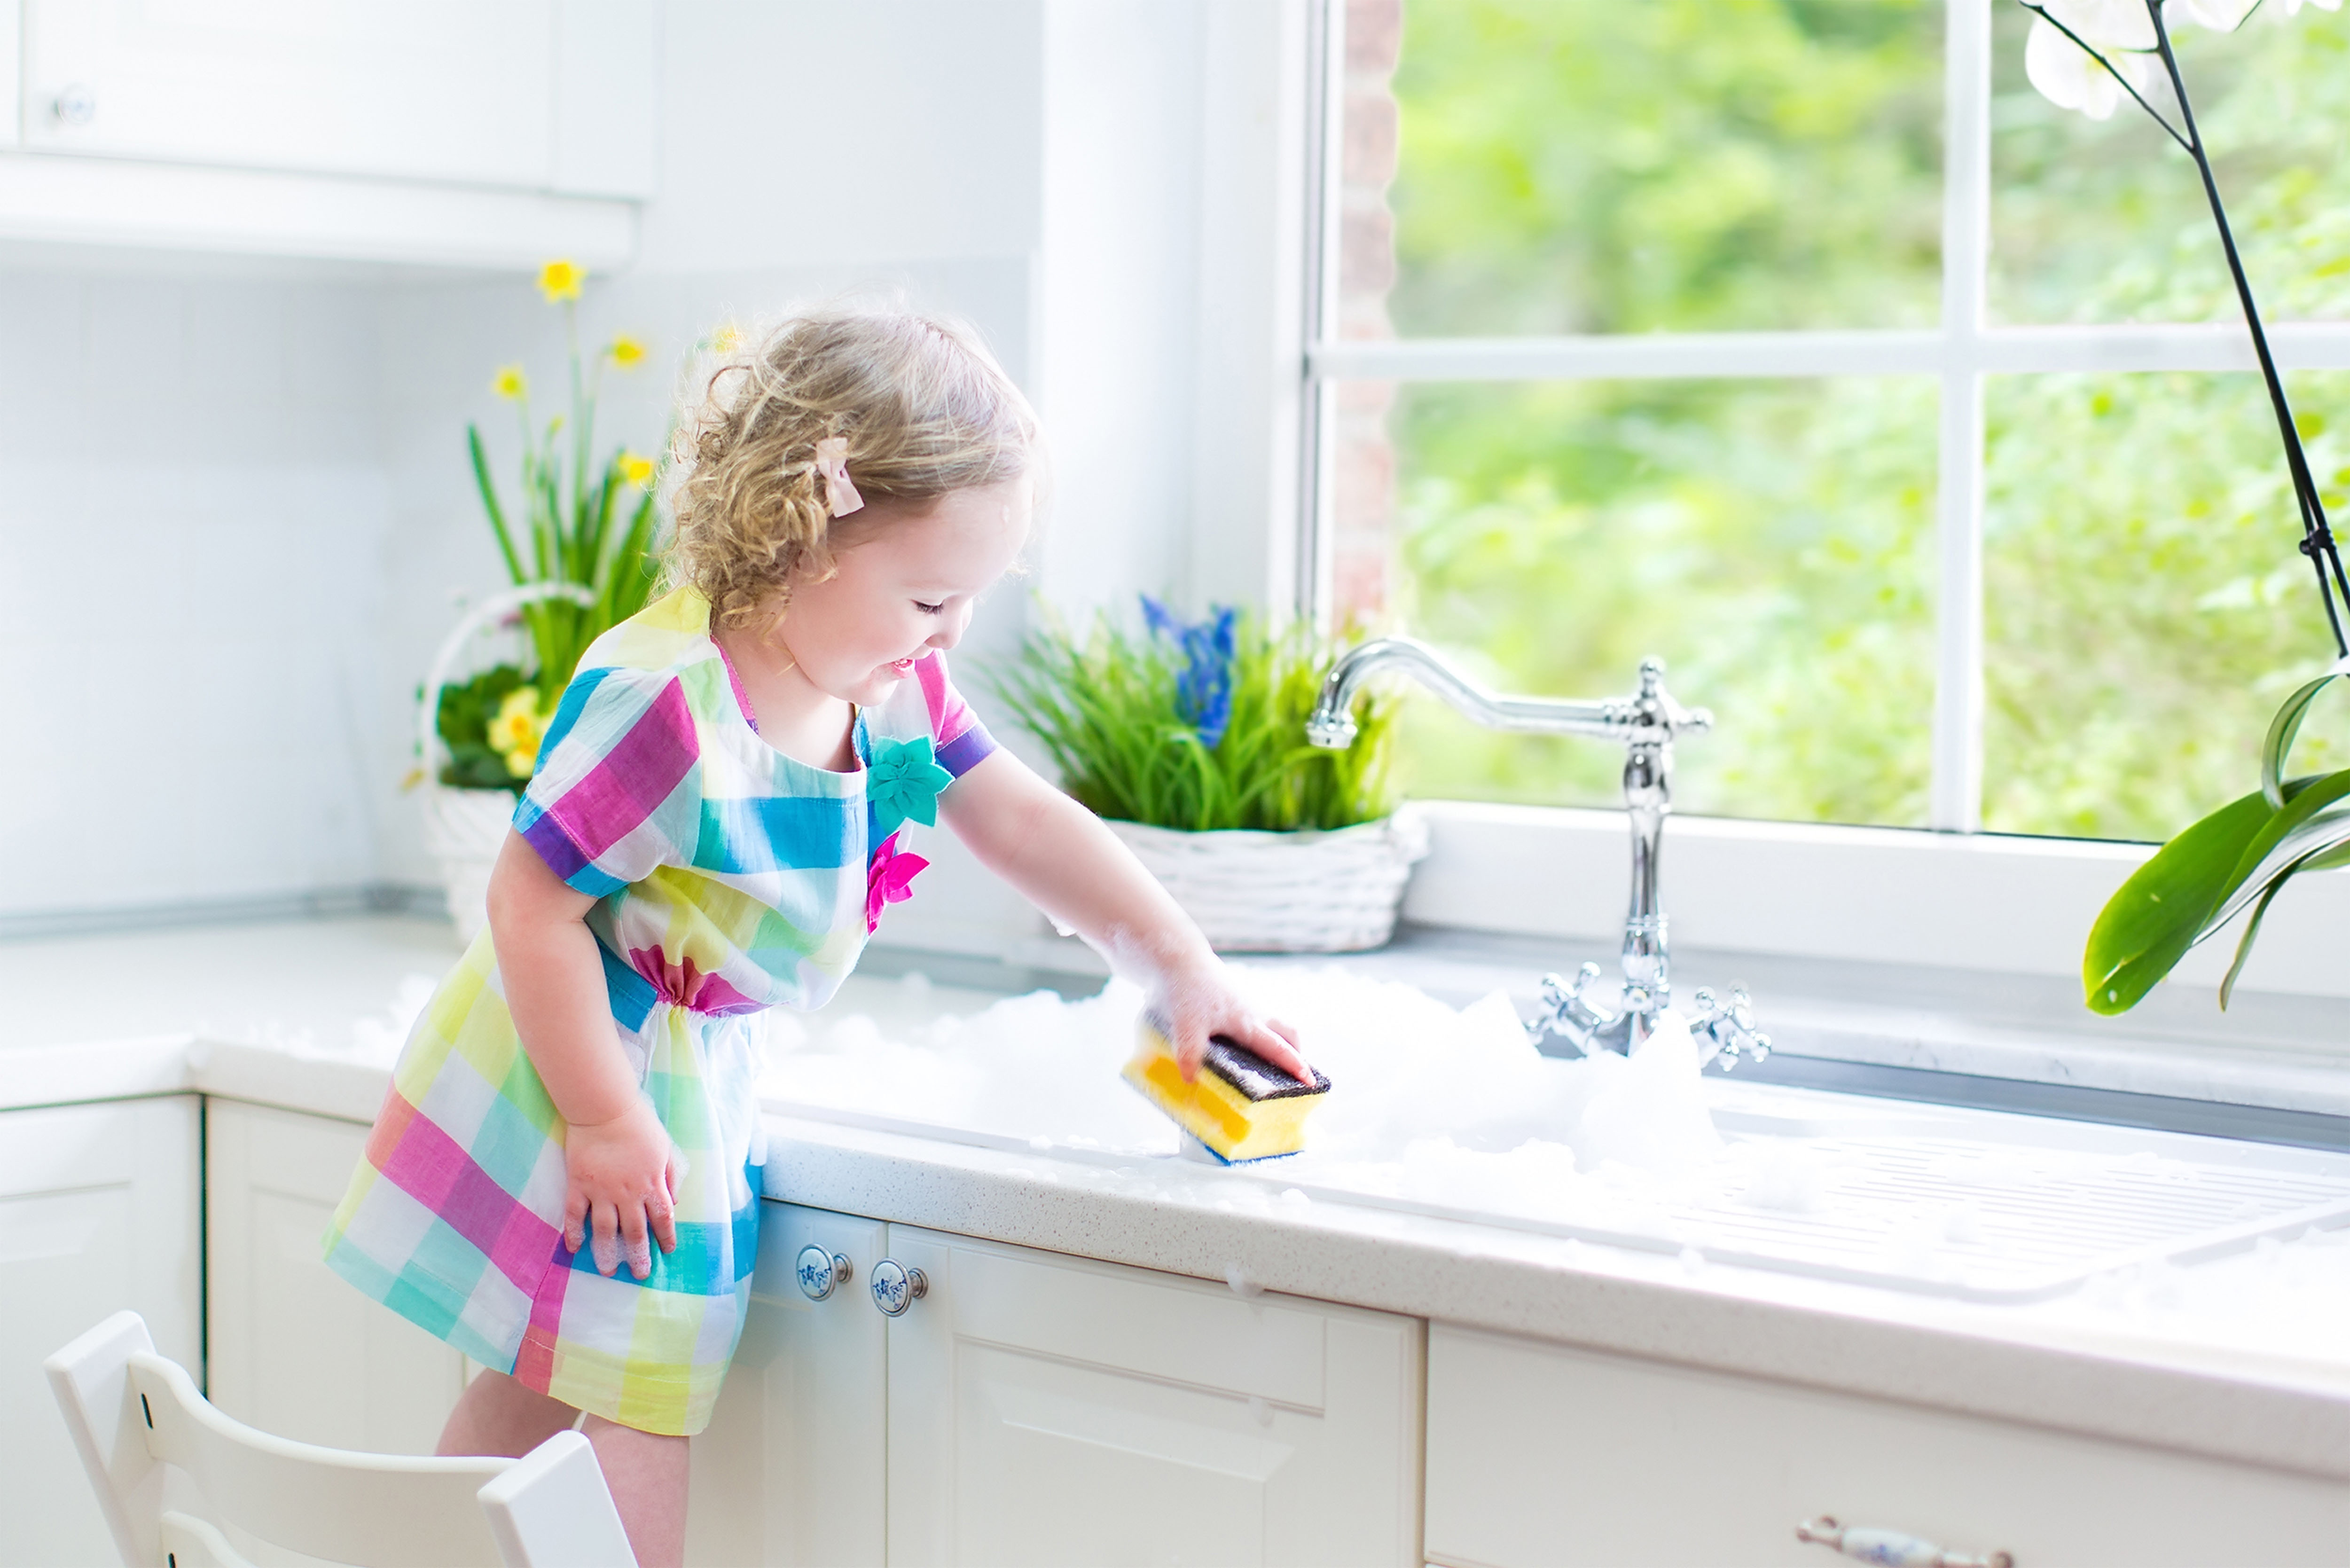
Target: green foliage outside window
1590, 166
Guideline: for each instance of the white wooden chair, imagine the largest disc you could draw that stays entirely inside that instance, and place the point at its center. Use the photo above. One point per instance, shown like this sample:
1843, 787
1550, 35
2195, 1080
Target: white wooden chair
135, 1414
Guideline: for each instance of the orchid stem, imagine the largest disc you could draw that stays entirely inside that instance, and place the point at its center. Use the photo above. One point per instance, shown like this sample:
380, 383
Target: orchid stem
2317, 539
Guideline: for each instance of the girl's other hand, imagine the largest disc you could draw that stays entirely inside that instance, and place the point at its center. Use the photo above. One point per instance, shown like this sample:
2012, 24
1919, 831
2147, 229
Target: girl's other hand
1197, 1001
622, 1188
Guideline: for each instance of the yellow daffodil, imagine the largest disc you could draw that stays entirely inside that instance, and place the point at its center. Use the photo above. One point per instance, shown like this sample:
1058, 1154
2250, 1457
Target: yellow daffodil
516, 730
627, 352
560, 280
635, 468
726, 339
511, 384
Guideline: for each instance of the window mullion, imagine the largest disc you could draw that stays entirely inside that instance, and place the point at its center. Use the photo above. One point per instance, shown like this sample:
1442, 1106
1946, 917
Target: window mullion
1956, 798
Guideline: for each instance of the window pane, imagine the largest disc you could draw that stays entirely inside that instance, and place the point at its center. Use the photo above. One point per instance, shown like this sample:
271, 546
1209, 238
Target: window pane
1599, 166
2146, 604
1771, 540
2107, 221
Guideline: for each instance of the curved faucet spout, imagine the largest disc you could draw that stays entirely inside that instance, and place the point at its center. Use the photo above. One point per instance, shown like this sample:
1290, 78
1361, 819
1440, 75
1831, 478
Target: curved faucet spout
1620, 719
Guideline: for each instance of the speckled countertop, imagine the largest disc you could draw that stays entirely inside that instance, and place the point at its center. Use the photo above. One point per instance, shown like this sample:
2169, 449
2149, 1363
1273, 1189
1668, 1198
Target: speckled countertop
2234, 1358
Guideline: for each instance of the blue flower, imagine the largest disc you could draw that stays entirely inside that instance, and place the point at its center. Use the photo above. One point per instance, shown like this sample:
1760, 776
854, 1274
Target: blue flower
902, 782
1203, 687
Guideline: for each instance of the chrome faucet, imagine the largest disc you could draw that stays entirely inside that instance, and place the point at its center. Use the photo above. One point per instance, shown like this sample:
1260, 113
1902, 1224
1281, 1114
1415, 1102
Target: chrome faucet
1580, 1014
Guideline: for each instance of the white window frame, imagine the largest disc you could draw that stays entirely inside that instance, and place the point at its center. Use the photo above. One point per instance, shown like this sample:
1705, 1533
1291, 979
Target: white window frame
1950, 896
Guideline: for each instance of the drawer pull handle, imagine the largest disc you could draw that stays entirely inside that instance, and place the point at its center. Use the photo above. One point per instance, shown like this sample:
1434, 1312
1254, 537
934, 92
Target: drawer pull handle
821, 1272
897, 1287
1891, 1549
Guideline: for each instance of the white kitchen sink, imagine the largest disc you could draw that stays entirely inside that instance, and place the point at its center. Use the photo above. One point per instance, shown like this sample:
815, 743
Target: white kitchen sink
1954, 1201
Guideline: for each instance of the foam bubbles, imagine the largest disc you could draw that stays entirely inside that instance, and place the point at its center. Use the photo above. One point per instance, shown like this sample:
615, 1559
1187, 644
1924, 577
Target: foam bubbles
1429, 1101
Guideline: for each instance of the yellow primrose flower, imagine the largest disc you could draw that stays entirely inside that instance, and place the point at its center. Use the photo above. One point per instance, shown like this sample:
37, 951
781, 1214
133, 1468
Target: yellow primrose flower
726, 339
560, 280
516, 730
511, 384
635, 468
627, 352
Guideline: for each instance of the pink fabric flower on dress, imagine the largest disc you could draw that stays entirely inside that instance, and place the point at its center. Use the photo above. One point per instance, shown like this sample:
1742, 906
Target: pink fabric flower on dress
888, 880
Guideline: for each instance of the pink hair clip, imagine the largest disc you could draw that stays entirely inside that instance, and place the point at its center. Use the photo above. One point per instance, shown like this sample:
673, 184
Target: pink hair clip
832, 462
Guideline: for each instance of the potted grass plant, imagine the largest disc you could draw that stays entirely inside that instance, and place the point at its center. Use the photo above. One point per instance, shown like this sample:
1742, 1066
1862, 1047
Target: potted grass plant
577, 541
1188, 740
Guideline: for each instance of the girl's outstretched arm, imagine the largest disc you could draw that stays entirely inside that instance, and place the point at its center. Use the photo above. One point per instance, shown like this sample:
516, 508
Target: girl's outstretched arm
1060, 856
622, 1168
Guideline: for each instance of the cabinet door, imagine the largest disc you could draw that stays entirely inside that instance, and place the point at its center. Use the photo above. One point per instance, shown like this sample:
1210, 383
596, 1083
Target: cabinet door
1539, 1456
98, 1212
296, 1350
791, 1468
426, 89
1046, 1409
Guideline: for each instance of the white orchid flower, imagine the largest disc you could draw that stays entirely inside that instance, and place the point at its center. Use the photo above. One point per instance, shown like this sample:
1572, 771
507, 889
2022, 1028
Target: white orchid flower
2293, 7
2218, 15
2068, 76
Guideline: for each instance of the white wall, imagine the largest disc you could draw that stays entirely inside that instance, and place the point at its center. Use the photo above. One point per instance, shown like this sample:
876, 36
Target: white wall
189, 538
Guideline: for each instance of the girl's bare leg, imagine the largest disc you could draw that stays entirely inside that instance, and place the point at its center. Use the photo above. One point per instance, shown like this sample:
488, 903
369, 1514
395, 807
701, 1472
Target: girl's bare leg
647, 1473
496, 1415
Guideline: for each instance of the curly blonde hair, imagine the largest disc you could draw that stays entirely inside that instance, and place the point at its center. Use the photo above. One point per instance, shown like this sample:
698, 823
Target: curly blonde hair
926, 411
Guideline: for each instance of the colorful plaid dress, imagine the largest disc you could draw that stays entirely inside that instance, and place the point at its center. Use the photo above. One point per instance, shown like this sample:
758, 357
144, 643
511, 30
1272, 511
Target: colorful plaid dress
729, 879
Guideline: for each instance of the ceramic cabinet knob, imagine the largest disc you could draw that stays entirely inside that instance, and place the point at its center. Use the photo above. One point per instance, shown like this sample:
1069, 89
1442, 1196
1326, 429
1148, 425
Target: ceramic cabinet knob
821, 1272
897, 1287
75, 105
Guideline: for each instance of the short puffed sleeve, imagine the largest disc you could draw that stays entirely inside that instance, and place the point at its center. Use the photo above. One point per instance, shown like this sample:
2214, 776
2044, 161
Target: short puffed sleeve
959, 739
618, 790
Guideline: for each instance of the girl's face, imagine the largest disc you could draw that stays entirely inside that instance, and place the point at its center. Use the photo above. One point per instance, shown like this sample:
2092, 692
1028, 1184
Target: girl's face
906, 582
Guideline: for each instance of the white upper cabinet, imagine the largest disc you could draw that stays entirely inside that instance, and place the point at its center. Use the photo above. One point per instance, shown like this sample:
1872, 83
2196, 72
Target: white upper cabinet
458, 131
428, 89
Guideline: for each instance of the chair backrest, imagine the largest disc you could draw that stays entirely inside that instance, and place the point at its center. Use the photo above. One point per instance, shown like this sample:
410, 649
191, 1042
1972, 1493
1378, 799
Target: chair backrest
132, 1413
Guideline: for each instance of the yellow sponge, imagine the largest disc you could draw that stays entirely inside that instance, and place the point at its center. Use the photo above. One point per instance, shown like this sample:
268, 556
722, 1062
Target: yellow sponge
1241, 1106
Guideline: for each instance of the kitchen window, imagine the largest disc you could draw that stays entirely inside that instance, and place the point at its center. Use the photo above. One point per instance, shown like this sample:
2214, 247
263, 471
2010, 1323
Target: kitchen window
1799, 341
1910, 418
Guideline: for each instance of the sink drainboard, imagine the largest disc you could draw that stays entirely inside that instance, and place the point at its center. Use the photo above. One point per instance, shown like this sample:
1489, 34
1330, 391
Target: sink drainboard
1947, 1216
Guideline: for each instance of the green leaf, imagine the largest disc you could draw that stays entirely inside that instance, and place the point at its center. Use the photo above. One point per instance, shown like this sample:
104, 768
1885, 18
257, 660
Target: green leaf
2286, 726
490, 503
2288, 837
2244, 943
2151, 921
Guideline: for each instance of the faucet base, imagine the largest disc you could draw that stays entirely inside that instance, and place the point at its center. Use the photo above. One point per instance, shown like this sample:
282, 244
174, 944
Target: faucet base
1576, 1019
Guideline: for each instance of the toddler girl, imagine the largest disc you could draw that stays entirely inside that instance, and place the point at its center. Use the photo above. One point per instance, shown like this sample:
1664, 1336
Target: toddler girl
718, 814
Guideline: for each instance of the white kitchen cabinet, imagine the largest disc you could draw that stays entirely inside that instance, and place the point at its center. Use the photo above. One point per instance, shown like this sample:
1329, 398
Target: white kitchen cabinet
792, 1467
294, 1350
98, 1211
437, 132
1049, 1410
1539, 1454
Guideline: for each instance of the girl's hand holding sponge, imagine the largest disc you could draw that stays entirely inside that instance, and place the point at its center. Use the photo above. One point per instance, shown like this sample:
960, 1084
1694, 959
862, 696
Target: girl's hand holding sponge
1229, 1076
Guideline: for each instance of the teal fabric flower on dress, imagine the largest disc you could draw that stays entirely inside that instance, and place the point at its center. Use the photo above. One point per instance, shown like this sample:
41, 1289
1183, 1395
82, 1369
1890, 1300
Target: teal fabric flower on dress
902, 782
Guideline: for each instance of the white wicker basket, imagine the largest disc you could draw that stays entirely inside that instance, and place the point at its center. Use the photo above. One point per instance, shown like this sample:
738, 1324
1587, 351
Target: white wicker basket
464, 828
1307, 892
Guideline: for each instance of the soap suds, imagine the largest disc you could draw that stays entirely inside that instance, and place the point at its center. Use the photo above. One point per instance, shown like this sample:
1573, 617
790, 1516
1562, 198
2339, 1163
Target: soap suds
1430, 1102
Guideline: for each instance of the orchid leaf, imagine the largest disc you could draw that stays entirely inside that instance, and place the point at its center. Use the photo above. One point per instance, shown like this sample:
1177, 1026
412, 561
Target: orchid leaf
2149, 923
2311, 832
2319, 844
2244, 942
2286, 727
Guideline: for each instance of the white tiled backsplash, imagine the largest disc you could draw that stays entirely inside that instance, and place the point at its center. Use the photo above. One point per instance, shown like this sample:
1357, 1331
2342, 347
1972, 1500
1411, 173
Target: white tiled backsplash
236, 518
